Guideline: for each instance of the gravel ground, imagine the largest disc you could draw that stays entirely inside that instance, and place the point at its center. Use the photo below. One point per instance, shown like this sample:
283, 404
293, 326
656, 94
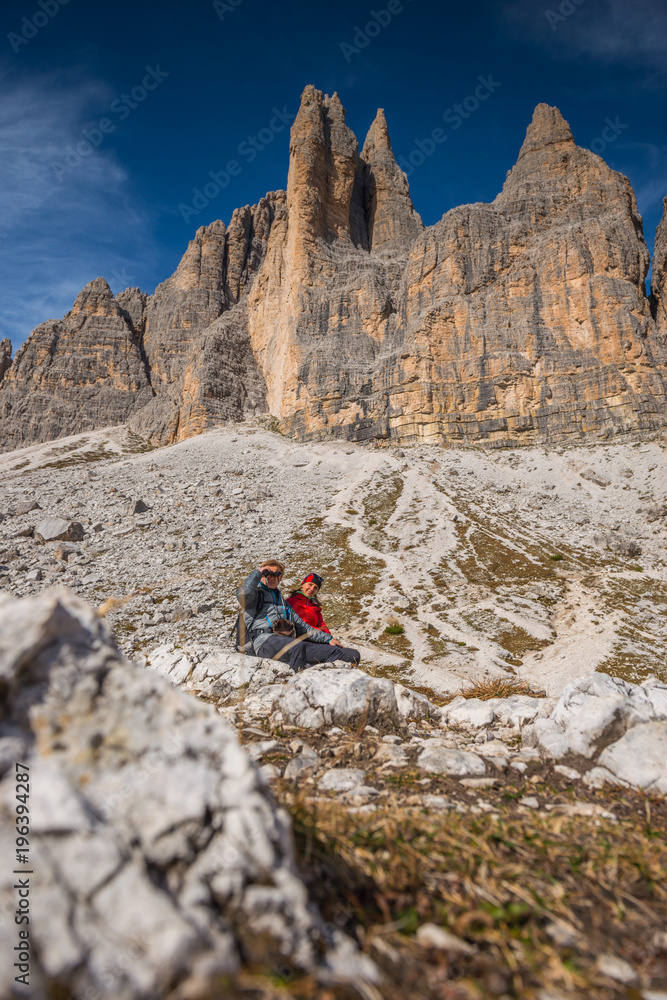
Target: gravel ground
543, 563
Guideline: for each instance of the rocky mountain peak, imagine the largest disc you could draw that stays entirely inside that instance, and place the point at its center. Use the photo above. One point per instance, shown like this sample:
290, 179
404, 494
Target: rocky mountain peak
390, 214
659, 275
552, 173
548, 128
96, 299
331, 305
377, 137
202, 264
323, 164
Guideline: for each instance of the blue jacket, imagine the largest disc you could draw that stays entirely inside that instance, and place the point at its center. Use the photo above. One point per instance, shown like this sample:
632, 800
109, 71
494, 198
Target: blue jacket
262, 607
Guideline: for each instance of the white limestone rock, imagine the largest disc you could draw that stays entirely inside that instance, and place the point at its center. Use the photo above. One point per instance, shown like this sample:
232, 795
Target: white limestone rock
457, 763
214, 670
590, 714
322, 696
414, 705
640, 757
342, 779
516, 710
468, 712
128, 777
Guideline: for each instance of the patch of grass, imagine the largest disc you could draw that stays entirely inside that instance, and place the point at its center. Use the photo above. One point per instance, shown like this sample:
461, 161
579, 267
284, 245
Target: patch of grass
498, 880
499, 687
96, 454
637, 569
484, 558
557, 556
511, 637
394, 630
136, 445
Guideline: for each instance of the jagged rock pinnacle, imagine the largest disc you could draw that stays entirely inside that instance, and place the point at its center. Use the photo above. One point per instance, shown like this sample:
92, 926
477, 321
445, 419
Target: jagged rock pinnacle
332, 306
548, 128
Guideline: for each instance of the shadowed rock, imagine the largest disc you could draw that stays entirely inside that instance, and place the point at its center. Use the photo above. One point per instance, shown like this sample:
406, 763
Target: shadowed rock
5, 356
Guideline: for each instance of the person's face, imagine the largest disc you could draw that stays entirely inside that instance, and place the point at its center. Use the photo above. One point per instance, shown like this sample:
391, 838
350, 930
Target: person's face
309, 589
271, 576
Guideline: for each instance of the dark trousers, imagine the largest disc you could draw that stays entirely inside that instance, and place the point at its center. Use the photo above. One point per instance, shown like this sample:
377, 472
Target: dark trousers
300, 653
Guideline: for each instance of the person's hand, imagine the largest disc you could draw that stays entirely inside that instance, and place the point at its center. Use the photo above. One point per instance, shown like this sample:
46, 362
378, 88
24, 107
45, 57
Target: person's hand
335, 642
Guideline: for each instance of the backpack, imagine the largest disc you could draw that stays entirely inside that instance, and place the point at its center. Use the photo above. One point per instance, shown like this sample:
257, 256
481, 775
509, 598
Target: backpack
242, 640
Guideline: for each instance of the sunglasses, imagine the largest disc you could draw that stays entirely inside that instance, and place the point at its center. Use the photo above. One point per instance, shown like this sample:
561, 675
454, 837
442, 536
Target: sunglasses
269, 572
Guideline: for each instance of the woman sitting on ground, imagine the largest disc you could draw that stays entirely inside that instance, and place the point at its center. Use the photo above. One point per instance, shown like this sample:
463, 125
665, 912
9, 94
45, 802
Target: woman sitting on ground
304, 601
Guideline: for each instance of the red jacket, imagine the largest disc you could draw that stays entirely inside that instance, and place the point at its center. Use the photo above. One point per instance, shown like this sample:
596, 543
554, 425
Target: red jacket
308, 610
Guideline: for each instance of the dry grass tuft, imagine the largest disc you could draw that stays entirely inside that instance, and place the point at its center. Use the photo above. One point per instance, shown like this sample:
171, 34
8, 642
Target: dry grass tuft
113, 604
500, 687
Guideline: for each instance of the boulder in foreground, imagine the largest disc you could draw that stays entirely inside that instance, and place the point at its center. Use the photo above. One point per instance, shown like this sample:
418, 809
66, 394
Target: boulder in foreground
162, 861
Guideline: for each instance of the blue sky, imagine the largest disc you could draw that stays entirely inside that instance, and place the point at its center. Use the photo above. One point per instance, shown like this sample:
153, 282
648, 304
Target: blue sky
180, 86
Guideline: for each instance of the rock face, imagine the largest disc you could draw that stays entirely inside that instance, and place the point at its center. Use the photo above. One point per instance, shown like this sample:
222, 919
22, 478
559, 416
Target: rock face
659, 276
332, 306
163, 862
5, 356
391, 220
75, 374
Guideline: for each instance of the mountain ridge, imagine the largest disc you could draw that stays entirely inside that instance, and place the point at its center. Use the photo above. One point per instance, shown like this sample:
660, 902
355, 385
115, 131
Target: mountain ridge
331, 306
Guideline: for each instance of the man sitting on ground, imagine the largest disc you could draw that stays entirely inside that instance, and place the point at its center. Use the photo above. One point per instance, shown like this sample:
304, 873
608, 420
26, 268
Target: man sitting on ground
265, 611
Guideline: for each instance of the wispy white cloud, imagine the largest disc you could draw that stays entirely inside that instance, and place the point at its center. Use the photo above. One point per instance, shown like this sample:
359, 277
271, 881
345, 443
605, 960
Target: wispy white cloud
57, 235
610, 31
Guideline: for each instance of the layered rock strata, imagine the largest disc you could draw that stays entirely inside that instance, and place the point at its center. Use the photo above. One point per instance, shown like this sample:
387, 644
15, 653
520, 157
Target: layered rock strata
332, 307
75, 374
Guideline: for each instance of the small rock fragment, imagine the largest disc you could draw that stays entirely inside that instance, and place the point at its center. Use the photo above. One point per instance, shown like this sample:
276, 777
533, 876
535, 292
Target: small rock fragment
432, 936
618, 969
57, 529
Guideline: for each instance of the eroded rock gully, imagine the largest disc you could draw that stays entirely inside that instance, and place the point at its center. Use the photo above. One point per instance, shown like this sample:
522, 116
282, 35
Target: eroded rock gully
331, 306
